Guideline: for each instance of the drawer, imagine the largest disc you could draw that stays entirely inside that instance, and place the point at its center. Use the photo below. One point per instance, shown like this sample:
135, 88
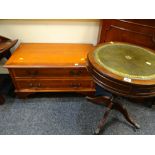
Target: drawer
56, 84
50, 72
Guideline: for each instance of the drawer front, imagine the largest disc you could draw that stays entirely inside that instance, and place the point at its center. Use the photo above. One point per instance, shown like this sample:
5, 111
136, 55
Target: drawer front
53, 72
57, 84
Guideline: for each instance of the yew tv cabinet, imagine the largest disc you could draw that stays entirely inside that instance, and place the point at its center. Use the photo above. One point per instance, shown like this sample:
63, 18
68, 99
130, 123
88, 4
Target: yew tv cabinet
47, 67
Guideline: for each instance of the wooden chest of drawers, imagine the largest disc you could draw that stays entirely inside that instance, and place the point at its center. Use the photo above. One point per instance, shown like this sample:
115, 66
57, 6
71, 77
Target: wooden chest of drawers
50, 68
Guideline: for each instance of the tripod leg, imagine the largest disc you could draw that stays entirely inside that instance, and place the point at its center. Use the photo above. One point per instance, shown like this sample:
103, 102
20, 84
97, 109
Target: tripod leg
103, 120
100, 100
125, 113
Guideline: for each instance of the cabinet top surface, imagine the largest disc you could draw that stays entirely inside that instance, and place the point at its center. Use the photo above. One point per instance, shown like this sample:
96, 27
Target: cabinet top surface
49, 55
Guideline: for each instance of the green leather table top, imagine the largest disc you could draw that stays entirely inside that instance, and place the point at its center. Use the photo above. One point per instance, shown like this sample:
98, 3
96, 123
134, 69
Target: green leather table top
126, 60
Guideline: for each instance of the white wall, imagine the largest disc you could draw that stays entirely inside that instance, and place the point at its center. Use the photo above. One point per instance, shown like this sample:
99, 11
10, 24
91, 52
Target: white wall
51, 31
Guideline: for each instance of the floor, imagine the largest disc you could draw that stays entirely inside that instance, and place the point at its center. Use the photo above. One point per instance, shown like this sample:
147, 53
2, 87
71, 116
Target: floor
69, 114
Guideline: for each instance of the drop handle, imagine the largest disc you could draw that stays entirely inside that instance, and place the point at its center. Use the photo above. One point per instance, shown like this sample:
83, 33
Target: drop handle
39, 84
75, 73
72, 73
32, 73
75, 85
30, 84
79, 72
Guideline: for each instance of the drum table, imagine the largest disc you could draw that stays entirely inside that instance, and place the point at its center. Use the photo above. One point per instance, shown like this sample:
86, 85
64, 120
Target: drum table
123, 70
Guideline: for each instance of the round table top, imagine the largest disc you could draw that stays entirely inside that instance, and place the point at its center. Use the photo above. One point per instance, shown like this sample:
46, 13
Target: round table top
126, 60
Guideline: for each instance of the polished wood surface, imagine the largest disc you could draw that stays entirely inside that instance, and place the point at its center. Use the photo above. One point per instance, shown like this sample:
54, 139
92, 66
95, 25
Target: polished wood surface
54, 85
48, 72
136, 31
116, 84
109, 74
49, 55
5, 45
50, 68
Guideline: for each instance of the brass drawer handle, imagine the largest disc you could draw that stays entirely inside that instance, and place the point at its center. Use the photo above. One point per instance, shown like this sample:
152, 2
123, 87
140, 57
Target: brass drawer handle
72, 72
35, 86
31, 84
75, 73
39, 84
32, 73
75, 85
79, 72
